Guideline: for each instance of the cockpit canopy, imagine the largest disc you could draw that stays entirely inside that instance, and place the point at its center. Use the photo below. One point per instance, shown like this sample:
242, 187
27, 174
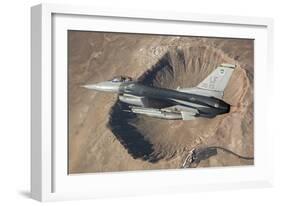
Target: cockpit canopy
122, 79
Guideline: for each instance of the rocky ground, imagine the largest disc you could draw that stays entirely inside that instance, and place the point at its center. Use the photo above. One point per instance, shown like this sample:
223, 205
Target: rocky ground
102, 138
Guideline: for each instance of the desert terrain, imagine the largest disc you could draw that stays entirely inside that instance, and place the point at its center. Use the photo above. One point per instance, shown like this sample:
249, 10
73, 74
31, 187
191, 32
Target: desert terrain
103, 138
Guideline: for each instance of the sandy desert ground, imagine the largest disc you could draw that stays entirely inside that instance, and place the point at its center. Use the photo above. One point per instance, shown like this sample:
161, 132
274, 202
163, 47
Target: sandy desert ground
102, 138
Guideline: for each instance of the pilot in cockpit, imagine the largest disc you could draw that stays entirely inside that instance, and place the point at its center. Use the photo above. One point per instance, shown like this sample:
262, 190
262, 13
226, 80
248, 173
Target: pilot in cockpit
122, 79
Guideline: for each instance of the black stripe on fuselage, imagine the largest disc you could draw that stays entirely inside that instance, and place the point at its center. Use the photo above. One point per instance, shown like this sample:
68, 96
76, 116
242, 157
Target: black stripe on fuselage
212, 104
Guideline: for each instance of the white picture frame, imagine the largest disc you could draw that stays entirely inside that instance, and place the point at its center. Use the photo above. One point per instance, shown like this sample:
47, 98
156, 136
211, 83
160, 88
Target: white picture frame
49, 179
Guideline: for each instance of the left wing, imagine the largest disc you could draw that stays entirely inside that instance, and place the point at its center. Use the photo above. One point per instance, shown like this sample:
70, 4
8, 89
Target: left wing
170, 113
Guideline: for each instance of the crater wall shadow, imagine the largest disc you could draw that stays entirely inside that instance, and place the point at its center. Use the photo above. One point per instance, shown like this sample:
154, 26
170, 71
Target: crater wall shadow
122, 123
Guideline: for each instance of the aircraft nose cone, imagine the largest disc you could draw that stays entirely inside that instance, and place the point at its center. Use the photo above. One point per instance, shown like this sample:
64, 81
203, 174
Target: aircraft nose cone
91, 86
103, 86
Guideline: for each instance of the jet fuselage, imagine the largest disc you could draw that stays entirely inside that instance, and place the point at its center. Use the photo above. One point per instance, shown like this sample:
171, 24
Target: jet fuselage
203, 100
207, 106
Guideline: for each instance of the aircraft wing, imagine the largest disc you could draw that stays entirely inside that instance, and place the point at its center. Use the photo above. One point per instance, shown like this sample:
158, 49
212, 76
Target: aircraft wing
171, 113
187, 115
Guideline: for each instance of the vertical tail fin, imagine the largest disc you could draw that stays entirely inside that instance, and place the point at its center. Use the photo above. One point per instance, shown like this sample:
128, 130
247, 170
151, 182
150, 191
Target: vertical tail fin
218, 79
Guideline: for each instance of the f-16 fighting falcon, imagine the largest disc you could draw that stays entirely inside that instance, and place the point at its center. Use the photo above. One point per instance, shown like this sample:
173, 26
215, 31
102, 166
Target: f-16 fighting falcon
204, 100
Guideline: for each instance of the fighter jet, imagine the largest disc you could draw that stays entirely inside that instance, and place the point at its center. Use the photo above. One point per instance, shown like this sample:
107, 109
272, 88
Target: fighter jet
204, 100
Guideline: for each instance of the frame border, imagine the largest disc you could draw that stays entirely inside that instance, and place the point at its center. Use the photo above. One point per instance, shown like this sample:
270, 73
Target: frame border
42, 85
